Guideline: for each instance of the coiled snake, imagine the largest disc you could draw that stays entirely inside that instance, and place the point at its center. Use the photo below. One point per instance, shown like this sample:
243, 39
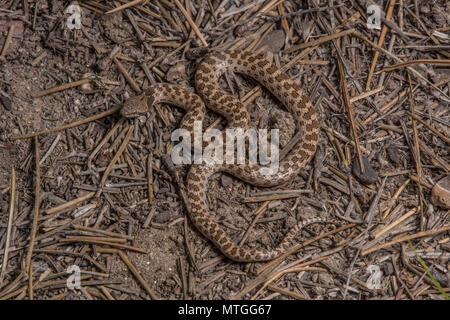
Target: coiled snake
215, 98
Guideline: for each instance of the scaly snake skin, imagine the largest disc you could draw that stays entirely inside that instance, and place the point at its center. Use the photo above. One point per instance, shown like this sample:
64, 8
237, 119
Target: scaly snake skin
215, 98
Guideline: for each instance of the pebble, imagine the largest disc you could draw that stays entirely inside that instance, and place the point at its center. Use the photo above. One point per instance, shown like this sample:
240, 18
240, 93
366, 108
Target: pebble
369, 176
388, 268
162, 217
225, 180
6, 102
440, 194
394, 154
178, 71
274, 41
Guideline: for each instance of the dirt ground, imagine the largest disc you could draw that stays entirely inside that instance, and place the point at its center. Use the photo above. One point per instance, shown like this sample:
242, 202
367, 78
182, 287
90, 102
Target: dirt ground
128, 248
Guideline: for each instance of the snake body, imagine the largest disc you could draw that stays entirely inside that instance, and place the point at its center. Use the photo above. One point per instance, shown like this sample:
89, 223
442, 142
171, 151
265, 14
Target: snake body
206, 80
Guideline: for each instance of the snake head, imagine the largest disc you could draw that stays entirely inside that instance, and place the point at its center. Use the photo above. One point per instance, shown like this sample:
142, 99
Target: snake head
135, 106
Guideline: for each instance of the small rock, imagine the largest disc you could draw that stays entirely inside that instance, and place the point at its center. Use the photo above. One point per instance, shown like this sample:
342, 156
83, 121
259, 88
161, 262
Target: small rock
265, 238
440, 277
86, 87
388, 268
440, 194
178, 71
394, 154
369, 176
225, 180
104, 158
6, 102
162, 217
326, 278
274, 41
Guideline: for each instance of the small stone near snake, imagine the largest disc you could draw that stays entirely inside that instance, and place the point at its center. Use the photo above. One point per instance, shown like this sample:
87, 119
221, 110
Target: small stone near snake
162, 217
394, 154
274, 41
369, 176
440, 277
225, 180
440, 194
388, 268
6, 102
177, 71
